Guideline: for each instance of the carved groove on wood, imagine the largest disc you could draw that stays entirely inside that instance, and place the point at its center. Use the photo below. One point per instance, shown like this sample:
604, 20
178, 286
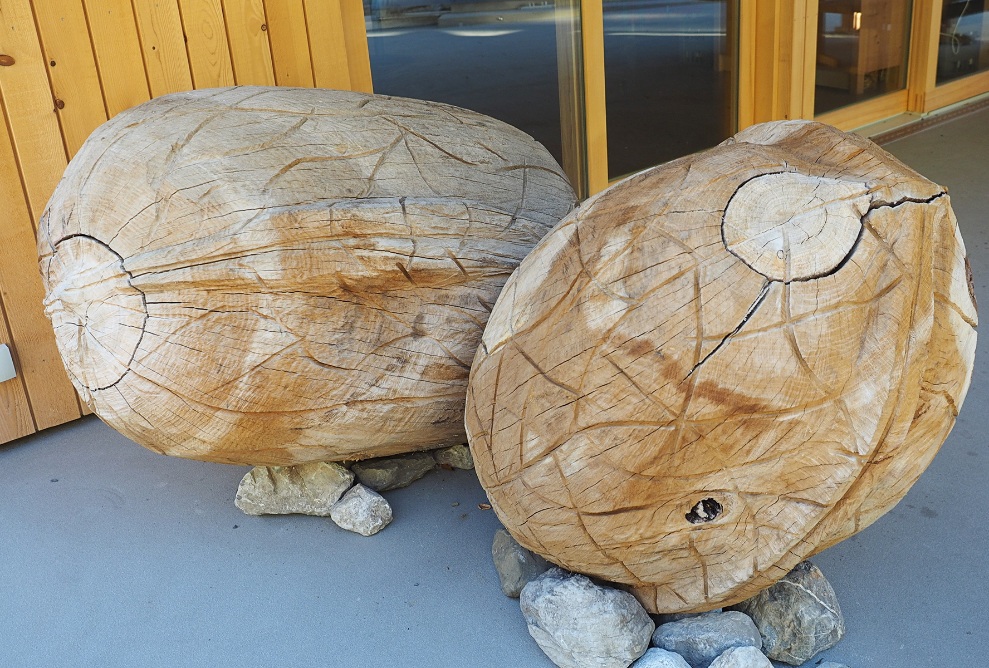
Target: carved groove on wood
720, 366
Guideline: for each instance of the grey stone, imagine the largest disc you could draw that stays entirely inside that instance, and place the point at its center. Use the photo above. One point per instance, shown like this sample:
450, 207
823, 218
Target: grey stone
362, 511
516, 565
579, 624
388, 473
798, 616
457, 456
660, 658
742, 657
701, 639
308, 489
830, 664
666, 618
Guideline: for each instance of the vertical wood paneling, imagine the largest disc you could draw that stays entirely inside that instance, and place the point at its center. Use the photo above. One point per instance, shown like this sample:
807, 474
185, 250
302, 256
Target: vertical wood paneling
289, 42
328, 45
30, 107
51, 396
68, 53
163, 45
250, 51
206, 41
355, 32
15, 413
113, 29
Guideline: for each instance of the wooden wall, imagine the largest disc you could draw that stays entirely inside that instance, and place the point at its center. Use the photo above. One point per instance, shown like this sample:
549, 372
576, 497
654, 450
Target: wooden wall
66, 66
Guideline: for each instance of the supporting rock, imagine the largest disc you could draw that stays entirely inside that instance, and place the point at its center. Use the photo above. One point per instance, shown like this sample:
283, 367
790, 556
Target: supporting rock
308, 489
362, 511
579, 624
798, 616
456, 456
742, 657
388, 473
700, 640
516, 565
660, 658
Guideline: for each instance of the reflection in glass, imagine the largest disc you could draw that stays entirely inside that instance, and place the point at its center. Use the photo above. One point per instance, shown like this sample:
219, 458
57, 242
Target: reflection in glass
964, 44
669, 79
497, 58
861, 50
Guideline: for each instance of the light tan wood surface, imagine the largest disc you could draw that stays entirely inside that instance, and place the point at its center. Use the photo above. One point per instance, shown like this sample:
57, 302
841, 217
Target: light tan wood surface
274, 276
718, 367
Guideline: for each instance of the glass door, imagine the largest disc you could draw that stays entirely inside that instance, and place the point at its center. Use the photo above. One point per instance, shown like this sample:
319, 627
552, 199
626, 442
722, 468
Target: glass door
670, 75
963, 46
610, 87
862, 51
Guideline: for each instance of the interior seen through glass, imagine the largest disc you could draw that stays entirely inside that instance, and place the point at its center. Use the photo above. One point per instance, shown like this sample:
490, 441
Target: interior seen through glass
861, 50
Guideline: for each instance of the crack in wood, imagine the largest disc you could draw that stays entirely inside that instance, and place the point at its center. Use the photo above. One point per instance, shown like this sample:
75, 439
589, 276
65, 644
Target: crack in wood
760, 298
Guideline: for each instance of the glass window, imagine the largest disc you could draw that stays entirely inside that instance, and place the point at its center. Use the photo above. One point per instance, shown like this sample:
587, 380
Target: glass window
498, 58
669, 79
861, 50
964, 44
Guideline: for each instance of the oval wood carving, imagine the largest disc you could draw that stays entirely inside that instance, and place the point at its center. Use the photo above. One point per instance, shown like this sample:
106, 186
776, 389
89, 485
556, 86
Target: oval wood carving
274, 276
723, 365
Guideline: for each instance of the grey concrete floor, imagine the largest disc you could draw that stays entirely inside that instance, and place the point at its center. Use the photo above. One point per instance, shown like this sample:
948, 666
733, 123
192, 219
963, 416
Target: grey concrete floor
111, 555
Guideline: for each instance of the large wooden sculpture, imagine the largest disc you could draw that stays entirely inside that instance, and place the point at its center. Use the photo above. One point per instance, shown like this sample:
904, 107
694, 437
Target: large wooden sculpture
725, 364
274, 276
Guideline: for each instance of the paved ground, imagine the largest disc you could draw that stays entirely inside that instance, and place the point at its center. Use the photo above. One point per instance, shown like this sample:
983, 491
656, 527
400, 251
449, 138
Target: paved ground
113, 556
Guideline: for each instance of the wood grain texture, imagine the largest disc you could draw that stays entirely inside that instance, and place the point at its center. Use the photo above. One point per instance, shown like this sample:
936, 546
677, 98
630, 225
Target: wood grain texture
290, 48
71, 69
113, 30
206, 41
327, 44
355, 31
249, 47
718, 367
166, 59
274, 276
32, 157
30, 108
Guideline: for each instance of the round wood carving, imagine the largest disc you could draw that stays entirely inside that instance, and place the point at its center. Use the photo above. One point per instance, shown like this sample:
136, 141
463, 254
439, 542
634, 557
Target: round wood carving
274, 276
721, 366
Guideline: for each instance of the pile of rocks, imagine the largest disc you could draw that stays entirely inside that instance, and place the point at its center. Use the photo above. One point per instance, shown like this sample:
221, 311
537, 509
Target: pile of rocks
328, 489
580, 623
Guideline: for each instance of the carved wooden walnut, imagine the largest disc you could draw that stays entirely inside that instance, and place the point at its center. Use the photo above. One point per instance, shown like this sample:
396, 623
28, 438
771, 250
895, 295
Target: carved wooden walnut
274, 276
723, 365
